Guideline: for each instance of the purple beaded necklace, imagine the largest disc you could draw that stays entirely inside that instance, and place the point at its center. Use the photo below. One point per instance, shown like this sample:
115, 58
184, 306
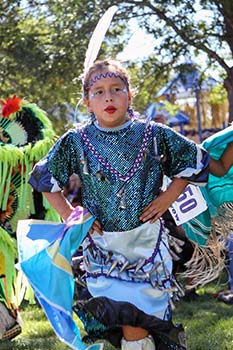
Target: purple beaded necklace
107, 165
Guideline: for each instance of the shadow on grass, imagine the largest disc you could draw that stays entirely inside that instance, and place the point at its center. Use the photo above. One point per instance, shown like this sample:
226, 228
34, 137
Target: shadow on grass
50, 343
208, 323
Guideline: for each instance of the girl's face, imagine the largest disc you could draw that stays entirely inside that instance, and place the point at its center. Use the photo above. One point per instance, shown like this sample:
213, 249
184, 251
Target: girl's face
108, 98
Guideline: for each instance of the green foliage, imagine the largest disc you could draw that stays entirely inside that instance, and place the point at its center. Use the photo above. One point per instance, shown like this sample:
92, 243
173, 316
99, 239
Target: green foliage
218, 95
171, 108
43, 45
146, 80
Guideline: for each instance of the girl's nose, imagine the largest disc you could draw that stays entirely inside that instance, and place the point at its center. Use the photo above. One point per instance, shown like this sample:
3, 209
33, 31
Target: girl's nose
108, 96
108, 99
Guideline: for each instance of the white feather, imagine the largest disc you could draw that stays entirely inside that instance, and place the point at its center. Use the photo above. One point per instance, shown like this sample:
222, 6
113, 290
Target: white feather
98, 37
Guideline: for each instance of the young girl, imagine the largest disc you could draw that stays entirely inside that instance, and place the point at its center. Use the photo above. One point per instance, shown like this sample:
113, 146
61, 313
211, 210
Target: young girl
121, 161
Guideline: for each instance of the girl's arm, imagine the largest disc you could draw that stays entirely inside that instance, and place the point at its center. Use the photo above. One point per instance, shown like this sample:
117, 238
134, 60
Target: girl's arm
59, 203
221, 166
64, 208
160, 204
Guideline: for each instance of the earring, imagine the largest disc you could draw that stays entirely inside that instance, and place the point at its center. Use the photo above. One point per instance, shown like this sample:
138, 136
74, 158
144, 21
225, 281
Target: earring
131, 113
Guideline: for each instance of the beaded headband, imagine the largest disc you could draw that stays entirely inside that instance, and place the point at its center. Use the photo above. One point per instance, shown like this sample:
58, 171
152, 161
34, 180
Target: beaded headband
100, 76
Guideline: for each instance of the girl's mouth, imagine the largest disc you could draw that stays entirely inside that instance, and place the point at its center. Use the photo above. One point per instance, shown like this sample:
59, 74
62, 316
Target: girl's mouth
110, 109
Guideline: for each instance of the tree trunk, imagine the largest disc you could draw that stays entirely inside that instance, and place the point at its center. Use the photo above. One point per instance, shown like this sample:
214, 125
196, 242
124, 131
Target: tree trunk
228, 84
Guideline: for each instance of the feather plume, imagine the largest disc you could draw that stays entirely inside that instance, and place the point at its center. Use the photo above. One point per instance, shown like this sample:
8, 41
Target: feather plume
98, 37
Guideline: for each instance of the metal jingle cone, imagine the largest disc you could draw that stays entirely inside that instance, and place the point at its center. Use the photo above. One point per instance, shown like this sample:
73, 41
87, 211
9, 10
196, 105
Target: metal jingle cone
124, 266
91, 251
153, 282
113, 266
145, 154
123, 201
173, 255
131, 266
170, 290
158, 158
83, 158
81, 283
155, 267
108, 258
175, 296
100, 175
120, 192
155, 146
159, 279
172, 305
179, 241
140, 263
180, 289
86, 261
76, 260
144, 276
177, 247
99, 256
167, 273
170, 242
85, 168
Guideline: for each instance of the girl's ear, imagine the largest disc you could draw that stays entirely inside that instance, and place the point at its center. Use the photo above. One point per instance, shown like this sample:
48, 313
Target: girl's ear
87, 104
130, 94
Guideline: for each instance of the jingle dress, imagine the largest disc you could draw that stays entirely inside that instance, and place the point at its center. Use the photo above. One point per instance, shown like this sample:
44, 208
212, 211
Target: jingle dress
128, 269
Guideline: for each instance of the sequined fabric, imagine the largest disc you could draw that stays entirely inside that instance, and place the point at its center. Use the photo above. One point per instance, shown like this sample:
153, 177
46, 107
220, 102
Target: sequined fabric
166, 152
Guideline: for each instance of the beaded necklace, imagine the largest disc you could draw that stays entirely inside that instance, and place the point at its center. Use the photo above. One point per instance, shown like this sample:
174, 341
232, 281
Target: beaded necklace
108, 166
130, 173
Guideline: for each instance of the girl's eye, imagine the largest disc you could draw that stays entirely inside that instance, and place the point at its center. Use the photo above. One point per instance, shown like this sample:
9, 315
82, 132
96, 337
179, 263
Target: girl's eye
116, 89
98, 92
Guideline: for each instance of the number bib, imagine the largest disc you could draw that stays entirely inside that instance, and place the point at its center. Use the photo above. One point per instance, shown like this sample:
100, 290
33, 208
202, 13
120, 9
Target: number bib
188, 205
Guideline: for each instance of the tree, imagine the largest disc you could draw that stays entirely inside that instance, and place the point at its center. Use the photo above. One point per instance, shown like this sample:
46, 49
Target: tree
43, 45
184, 27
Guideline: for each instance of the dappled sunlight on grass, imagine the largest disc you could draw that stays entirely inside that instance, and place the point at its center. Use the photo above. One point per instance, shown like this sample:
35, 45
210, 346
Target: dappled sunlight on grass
208, 322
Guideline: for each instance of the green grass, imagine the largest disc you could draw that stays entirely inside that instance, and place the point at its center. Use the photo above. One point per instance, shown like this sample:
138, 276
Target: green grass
208, 324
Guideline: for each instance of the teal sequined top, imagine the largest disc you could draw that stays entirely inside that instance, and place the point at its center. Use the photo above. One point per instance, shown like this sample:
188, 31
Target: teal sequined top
121, 169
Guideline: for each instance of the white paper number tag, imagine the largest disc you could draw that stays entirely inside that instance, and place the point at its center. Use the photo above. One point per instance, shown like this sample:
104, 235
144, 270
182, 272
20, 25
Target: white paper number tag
188, 205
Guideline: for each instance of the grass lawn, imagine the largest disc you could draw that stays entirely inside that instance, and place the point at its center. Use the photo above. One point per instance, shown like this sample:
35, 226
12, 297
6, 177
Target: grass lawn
208, 324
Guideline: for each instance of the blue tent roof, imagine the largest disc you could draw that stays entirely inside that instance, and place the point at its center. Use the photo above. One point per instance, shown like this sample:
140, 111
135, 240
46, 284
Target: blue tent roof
158, 108
186, 81
178, 119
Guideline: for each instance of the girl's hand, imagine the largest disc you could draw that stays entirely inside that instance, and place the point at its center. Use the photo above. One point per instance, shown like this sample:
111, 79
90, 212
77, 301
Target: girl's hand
156, 208
96, 226
160, 204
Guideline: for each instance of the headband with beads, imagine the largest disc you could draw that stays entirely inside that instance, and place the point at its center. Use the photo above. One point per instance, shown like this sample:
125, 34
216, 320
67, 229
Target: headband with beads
100, 76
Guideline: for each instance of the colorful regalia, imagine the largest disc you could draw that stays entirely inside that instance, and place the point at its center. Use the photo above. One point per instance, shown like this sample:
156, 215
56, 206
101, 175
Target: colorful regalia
209, 230
217, 192
26, 135
128, 269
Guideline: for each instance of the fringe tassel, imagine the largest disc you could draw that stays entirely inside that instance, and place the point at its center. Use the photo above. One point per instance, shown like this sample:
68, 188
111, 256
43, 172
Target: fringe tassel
208, 262
8, 254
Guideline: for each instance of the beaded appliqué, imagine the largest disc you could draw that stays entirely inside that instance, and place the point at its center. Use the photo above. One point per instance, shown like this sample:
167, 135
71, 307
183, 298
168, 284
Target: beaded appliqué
106, 75
130, 173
